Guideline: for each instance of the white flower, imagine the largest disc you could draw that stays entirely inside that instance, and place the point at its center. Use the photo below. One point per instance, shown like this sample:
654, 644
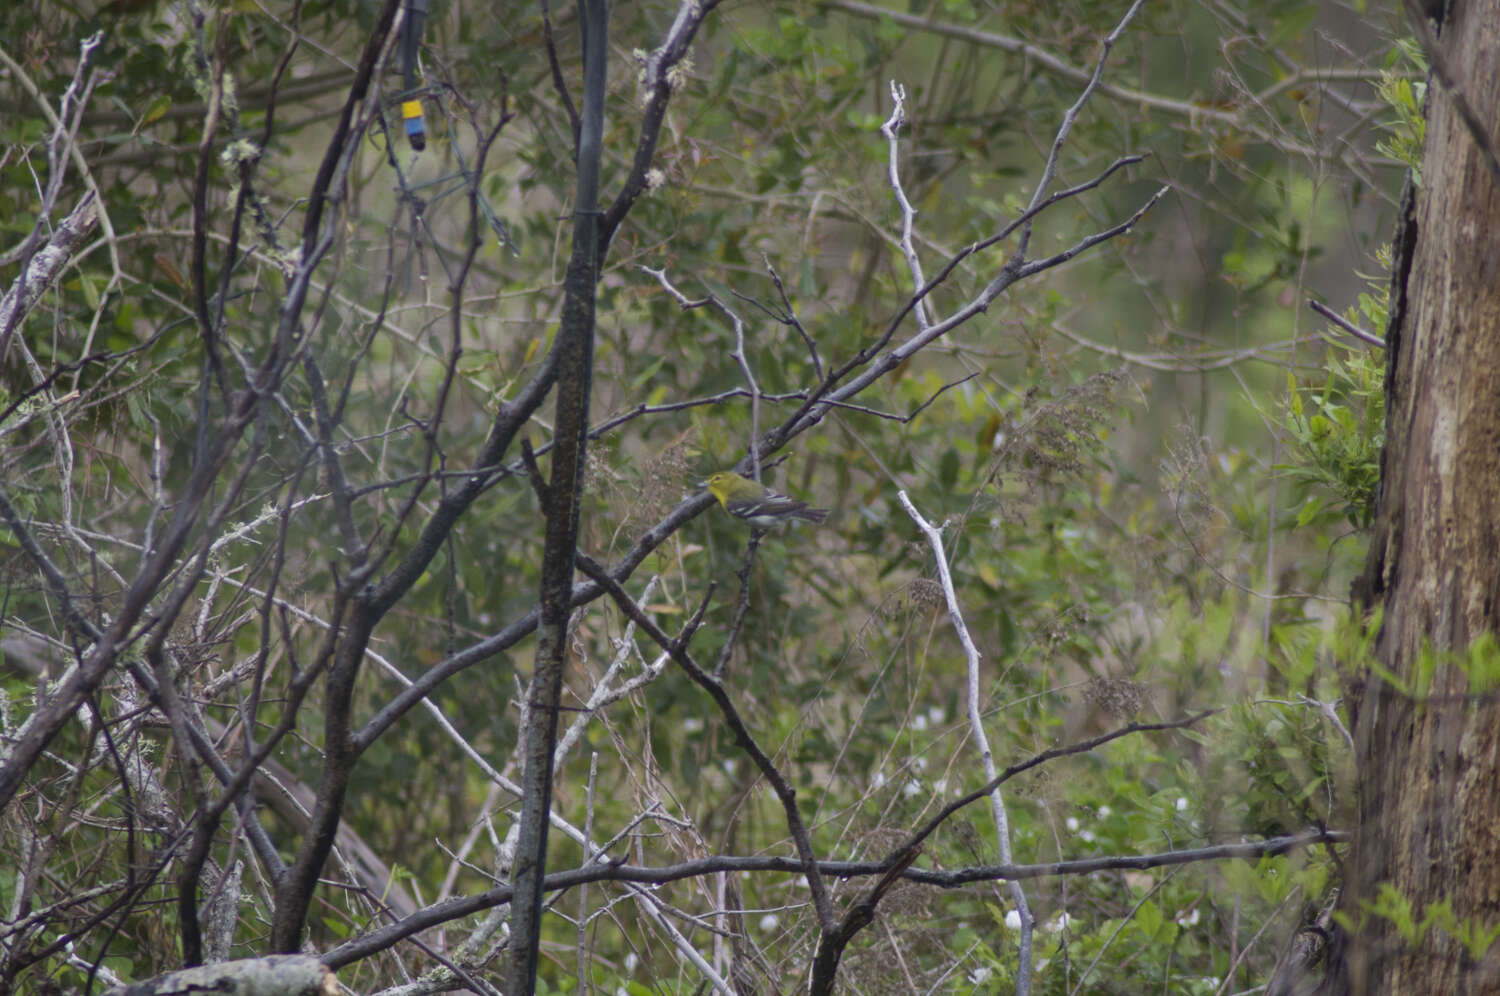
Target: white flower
940, 786
919, 763
769, 922
1182, 804
1104, 812
919, 722
913, 787
981, 975
1087, 836
1013, 919
1071, 823
878, 781
729, 765
1189, 919
631, 959
1059, 922
692, 724
937, 714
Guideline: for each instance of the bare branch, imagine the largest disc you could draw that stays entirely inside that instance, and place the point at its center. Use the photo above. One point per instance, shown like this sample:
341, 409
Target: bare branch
677, 648
981, 740
382, 938
43, 268
1049, 169
908, 213
739, 354
657, 81
1345, 324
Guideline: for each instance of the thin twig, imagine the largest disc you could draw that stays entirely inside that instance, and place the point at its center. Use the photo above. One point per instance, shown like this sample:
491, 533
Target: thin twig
1345, 324
1049, 169
790, 318
981, 740
381, 938
740, 356
677, 648
908, 213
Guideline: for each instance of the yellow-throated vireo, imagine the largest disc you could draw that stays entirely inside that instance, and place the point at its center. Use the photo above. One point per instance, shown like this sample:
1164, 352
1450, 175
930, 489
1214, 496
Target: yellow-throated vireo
757, 504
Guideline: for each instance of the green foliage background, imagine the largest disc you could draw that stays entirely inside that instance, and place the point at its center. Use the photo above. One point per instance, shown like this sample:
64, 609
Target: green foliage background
1154, 484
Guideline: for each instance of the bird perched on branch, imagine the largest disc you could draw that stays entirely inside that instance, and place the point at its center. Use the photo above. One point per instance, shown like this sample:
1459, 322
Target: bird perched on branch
758, 504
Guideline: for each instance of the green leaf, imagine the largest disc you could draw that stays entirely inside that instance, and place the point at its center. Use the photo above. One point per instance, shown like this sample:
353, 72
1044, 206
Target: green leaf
948, 467
1309, 511
157, 108
1148, 918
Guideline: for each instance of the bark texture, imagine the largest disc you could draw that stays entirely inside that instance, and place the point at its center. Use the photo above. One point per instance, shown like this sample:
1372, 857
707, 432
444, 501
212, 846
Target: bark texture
1429, 759
276, 975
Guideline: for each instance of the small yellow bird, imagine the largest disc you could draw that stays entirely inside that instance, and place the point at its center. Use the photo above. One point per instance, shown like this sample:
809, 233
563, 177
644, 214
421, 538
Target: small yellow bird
757, 504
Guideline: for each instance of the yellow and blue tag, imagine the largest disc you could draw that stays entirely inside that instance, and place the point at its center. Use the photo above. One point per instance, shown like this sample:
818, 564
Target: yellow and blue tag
416, 128
411, 43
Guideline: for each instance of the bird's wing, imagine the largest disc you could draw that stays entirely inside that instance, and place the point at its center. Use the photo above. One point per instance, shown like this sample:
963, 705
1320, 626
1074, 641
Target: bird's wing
767, 504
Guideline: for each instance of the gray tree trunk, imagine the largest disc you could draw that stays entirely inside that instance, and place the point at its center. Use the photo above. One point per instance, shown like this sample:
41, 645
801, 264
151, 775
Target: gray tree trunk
1427, 738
